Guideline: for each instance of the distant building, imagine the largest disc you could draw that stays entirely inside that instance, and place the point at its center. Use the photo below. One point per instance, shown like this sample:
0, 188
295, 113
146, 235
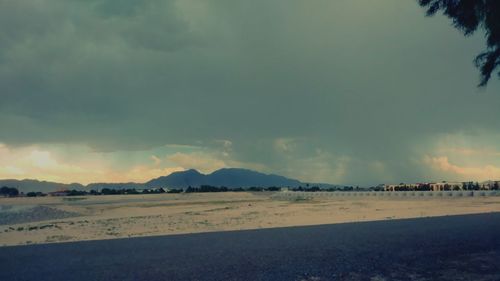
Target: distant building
441, 186
446, 186
490, 185
402, 187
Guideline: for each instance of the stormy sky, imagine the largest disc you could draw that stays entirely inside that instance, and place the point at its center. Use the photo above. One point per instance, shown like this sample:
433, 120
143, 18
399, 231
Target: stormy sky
348, 92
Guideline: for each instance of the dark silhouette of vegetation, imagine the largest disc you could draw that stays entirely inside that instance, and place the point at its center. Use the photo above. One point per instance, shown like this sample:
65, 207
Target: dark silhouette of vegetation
109, 191
314, 189
112, 191
31, 194
76, 193
496, 186
9, 191
347, 188
36, 194
150, 191
317, 188
379, 187
420, 187
468, 16
209, 188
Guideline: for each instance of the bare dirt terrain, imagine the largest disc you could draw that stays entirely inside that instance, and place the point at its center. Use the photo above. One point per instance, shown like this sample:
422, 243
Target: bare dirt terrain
60, 219
447, 248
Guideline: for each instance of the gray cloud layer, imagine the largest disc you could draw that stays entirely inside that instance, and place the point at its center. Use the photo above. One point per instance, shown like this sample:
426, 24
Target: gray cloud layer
362, 84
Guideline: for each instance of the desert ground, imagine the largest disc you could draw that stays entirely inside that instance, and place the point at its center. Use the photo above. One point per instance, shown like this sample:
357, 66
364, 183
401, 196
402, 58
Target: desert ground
443, 248
60, 219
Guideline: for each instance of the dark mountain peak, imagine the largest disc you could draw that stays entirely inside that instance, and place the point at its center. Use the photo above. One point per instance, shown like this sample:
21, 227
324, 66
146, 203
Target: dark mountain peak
186, 174
233, 171
190, 172
178, 179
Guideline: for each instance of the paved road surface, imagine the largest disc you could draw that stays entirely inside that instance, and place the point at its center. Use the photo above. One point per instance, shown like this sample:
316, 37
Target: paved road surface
445, 248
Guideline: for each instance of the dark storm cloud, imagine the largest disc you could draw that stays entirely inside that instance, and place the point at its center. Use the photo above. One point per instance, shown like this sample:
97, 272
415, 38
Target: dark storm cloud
356, 83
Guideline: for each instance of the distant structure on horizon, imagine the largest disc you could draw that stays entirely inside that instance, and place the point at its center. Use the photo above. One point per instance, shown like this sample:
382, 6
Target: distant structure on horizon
443, 186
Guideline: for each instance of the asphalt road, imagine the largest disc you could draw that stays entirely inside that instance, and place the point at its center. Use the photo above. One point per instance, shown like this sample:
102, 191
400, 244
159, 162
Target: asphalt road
445, 248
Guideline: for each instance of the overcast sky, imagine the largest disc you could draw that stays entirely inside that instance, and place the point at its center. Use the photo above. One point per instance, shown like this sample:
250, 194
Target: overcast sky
348, 91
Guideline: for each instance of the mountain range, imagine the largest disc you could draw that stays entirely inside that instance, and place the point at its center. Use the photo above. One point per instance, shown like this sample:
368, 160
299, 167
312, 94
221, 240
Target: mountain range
223, 177
228, 177
28, 185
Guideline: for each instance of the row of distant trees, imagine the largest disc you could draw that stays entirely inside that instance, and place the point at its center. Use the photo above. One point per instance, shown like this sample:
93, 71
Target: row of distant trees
210, 188
333, 188
6, 191
13, 192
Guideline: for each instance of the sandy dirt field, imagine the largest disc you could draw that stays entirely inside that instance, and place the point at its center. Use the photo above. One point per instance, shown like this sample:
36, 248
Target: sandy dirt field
60, 219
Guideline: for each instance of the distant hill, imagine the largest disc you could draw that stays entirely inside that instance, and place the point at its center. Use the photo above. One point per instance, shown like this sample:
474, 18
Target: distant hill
228, 177
28, 185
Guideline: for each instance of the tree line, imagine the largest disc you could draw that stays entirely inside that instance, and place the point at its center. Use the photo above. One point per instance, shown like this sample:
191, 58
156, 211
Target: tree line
14, 192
